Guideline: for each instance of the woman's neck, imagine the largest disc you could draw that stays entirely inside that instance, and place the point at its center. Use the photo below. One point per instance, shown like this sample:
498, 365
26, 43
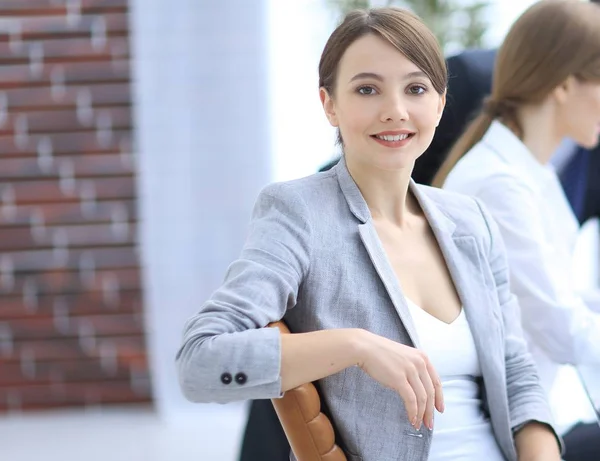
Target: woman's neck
539, 131
386, 192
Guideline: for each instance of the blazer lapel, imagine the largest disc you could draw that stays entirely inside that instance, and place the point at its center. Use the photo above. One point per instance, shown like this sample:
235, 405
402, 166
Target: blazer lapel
372, 243
376, 252
461, 254
464, 262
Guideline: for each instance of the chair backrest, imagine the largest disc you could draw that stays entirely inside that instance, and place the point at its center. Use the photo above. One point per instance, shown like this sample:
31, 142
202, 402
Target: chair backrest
308, 431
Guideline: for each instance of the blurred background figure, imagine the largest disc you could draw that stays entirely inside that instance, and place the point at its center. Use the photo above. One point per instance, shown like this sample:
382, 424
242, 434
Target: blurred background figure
542, 91
118, 118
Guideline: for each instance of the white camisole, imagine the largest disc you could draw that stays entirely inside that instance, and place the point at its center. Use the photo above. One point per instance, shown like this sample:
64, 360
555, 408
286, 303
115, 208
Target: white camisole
463, 432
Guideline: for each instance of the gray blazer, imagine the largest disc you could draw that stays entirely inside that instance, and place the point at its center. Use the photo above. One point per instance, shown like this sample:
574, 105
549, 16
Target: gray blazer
313, 258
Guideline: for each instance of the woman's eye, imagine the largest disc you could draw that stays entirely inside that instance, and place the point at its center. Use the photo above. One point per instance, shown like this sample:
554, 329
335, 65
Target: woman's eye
367, 90
417, 89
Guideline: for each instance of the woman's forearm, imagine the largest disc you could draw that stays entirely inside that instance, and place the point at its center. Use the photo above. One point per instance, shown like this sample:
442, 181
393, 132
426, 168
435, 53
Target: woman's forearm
537, 442
307, 357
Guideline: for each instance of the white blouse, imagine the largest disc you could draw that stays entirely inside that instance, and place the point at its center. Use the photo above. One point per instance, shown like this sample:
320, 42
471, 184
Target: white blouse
539, 230
463, 432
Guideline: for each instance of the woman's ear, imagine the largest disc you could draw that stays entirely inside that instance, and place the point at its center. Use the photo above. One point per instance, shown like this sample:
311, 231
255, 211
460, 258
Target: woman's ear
441, 105
562, 91
328, 106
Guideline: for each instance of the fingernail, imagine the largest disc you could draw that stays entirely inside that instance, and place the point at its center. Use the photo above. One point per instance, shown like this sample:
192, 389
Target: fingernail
414, 421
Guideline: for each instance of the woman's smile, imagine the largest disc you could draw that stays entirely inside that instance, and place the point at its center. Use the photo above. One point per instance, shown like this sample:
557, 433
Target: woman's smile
393, 139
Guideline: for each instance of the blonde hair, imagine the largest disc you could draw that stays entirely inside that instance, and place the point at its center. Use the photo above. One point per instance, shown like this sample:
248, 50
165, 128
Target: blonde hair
552, 40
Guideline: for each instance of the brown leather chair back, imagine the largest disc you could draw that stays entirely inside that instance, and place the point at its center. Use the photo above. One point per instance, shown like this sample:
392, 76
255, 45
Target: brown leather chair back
308, 431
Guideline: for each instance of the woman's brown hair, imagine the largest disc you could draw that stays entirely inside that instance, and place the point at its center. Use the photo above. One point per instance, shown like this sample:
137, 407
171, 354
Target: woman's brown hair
401, 28
552, 40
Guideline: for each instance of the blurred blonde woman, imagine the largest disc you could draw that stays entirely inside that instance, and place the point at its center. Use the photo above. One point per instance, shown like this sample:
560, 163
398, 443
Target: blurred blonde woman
396, 294
546, 87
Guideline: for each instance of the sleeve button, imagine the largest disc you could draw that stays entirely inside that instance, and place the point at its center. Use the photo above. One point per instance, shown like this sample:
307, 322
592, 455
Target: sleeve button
226, 378
241, 378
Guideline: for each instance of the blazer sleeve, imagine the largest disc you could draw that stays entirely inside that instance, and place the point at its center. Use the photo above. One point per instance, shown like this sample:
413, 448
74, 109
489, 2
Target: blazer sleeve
226, 354
527, 400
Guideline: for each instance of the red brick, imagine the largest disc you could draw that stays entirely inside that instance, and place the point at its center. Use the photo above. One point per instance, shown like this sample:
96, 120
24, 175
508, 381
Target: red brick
37, 27
47, 8
19, 75
65, 281
96, 166
18, 168
115, 325
67, 143
17, 238
24, 167
102, 325
130, 349
48, 349
92, 235
65, 121
42, 191
61, 50
41, 97
45, 260
70, 213
77, 304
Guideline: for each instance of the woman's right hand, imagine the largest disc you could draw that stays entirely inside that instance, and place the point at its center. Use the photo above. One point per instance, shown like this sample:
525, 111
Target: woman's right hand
409, 372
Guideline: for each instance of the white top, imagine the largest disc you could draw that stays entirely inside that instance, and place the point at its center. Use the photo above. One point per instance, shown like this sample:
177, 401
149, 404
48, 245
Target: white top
463, 432
539, 230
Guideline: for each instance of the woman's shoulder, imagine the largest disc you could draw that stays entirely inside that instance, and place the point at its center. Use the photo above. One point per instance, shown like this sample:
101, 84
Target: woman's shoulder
301, 194
303, 187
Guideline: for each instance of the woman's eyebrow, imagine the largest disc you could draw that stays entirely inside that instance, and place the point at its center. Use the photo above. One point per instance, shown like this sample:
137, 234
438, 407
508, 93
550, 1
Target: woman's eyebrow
365, 75
417, 73
374, 76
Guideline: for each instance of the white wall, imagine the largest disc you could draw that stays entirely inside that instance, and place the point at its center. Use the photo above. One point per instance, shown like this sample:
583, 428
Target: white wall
501, 16
302, 139
201, 100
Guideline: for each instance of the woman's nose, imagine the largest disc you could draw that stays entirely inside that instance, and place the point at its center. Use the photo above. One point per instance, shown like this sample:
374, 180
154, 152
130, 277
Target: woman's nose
394, 110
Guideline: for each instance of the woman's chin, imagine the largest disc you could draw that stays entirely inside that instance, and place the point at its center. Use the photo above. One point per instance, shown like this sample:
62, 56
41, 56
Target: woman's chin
397, 162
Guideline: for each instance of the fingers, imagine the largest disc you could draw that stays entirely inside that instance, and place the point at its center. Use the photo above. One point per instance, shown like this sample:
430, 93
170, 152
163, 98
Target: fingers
414, 379
437, 385
430, 389
409, 397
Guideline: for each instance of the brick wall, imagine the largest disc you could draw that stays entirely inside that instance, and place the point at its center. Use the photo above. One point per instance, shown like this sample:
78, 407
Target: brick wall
71, 328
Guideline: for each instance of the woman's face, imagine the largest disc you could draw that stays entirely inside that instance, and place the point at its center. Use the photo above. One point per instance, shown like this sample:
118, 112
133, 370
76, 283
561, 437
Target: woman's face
385, 107
581, 114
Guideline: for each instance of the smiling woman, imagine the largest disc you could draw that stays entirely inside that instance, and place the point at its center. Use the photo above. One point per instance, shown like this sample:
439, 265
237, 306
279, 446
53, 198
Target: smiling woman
395, 293
425, 75
395, 103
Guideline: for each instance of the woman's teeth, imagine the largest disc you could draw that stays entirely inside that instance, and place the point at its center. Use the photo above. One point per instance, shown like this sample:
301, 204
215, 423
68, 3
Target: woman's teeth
398, 137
